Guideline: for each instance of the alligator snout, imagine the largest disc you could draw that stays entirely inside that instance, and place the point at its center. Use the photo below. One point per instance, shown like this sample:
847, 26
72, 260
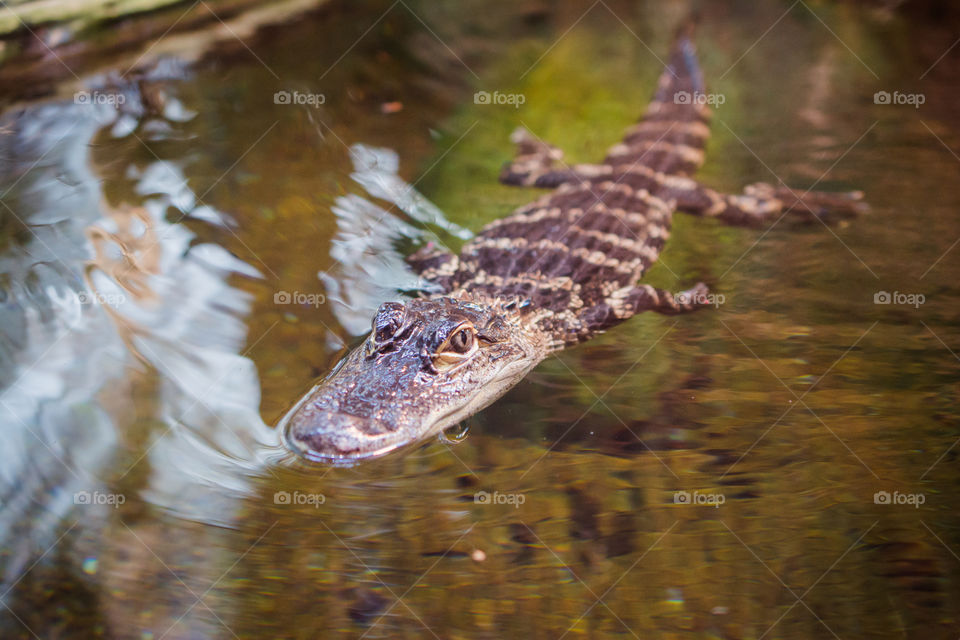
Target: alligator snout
331, 436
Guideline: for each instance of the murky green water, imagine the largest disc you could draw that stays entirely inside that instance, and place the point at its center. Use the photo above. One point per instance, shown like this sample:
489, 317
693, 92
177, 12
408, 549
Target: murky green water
781, 467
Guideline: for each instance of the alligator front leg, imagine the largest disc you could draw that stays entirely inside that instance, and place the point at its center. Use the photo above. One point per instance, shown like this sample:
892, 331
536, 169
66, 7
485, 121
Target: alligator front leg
629, 301
646, 298
540, 164
761, 202
535, 164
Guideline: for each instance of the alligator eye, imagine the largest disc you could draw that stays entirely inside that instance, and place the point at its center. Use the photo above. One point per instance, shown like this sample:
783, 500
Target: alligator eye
461, 341
457, 348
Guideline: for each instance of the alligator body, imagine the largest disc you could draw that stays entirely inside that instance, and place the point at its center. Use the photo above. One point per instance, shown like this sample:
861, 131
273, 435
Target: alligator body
553, 274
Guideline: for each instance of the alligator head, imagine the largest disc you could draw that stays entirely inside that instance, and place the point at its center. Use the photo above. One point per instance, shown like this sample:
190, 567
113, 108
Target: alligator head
427, 365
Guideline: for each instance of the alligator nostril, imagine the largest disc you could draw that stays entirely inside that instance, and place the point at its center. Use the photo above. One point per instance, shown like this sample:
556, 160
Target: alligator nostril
374, 349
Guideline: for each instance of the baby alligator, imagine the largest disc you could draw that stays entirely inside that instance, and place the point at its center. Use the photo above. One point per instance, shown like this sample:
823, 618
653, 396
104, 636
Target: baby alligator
553, 274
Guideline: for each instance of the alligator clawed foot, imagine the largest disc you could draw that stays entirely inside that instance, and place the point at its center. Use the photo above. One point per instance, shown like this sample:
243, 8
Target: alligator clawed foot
529, 145
696, 297
818, 204
534, 164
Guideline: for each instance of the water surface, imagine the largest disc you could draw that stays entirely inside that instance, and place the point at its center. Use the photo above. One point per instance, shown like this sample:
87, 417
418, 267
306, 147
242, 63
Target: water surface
175, 275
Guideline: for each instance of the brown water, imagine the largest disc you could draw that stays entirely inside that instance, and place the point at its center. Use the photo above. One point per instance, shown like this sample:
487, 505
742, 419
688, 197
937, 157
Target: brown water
720, 475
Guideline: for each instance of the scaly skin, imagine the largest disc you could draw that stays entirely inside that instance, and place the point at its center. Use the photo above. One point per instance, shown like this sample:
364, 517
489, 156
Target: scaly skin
554, 273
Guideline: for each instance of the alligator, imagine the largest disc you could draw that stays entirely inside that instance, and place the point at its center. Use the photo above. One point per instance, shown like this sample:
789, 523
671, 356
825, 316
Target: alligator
551, 275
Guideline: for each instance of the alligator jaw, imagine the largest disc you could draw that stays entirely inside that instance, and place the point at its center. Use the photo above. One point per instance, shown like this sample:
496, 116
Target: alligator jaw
342, 439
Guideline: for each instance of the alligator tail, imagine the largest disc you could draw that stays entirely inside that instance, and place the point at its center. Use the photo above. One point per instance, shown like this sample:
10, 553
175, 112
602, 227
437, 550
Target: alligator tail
673, 132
